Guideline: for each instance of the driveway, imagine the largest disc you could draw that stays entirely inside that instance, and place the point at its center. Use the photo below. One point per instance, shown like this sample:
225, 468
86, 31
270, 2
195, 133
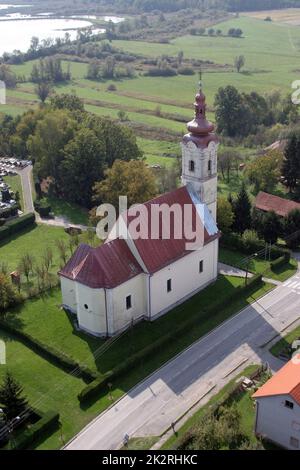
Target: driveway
197, 373
26, 180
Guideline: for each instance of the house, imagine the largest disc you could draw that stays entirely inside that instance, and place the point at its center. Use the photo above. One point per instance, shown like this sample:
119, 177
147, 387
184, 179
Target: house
278, 407
131, 278
269, 203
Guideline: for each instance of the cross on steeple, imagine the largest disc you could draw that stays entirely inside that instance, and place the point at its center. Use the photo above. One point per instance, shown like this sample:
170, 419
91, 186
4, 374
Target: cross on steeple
200, 80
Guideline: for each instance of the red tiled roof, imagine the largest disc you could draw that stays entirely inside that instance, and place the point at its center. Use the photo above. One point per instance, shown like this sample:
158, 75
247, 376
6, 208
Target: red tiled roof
158, 253
282, 207
284, 382
107, 266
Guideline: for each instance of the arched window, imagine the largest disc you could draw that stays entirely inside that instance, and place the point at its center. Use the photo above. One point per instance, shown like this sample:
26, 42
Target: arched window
209, 165
192, 166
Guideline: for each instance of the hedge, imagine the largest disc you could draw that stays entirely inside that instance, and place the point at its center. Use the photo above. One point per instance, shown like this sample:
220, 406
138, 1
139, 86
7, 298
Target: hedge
48, 421
16, 225
281, 261
235, 242
100, 384
57, 357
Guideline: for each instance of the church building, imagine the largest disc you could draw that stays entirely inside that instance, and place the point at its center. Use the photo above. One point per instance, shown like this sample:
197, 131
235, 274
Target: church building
129, 279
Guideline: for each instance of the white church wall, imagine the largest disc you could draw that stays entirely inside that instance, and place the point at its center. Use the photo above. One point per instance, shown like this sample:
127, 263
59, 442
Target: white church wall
186, 278
68, 290
91, 309
120, 315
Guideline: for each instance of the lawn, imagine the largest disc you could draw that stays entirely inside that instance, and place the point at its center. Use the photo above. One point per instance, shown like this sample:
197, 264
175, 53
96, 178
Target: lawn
72, 212
48, 387
285, 342
16, 186
43, 319
33, 241
257, 265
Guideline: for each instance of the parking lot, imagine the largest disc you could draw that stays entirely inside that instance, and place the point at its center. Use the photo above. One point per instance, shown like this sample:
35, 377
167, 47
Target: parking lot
9, 167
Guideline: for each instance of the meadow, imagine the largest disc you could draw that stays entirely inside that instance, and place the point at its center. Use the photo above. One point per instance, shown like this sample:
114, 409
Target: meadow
162, 105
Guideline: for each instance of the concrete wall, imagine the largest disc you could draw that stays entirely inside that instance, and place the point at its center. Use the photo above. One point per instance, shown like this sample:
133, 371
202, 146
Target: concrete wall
186, 279
68, 290
276, 422
119, 317
92, 318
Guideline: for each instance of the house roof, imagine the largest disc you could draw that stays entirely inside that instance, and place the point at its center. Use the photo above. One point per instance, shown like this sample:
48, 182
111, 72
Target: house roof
156, 253
284, 382
107, 266
282, 207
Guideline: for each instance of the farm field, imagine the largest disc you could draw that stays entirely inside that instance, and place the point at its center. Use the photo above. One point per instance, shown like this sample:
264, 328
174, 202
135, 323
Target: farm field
289, 16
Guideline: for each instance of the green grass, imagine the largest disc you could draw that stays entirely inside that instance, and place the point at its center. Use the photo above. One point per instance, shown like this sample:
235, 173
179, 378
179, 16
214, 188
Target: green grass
43, 319
162, 161
16, 186
257, 265
48, 387
33, 241
194, 419
285, 342
74, 213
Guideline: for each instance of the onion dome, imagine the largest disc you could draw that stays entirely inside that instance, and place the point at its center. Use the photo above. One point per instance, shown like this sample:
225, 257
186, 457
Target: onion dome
200, 125
201, 131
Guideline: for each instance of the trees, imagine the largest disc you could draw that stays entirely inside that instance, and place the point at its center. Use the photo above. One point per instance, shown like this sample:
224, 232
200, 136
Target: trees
26, 265
82, 166
49, 70
230, 111
12, 400
68, 101
242, 211
132, 179
239, 62
291, 229
264, 171
43, 90
8, 293
291, 163
271, 227
225, 215
46, 145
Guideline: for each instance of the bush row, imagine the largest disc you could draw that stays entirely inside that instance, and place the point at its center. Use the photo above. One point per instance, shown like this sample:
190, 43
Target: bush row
277, 263
48, 421
57, 357
100, 384
235, 242
16, 225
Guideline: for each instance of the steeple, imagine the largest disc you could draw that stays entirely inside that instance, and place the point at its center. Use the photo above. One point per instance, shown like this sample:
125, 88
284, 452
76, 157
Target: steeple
201, 131
199, 154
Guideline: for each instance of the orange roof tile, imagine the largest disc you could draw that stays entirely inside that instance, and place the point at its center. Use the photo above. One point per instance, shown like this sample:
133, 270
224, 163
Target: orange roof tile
285, 382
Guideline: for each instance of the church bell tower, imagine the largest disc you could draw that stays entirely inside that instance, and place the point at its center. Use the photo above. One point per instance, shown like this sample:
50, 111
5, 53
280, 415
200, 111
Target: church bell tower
199, 155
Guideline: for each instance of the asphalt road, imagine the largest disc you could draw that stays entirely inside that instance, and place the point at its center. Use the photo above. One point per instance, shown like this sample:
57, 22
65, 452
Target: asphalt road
210, 363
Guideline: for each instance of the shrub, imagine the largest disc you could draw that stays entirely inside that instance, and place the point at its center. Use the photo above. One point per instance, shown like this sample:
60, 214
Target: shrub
48, 421
186, 71
43, 207
281, 261
16, 225
111, 87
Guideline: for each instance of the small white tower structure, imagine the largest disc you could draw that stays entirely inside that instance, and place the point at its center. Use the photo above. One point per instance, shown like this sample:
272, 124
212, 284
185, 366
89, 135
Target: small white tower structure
199, 155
